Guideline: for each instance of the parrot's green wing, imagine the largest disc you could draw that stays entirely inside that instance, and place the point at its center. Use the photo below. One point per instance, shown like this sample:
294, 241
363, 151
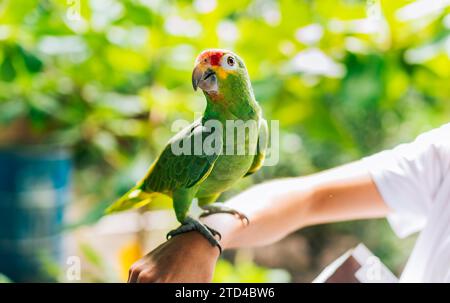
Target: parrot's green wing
263, 139
185, 162
182, 164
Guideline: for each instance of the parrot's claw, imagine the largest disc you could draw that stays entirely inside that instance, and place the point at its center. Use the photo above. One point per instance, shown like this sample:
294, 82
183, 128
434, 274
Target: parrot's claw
214, 232
191, 224
217, 208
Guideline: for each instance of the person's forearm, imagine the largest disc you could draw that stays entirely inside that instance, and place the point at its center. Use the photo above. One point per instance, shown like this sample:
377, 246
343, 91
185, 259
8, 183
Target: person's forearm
269, 209
280, 207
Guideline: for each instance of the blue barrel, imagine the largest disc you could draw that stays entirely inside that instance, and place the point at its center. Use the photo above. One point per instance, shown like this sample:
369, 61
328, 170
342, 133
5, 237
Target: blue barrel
34, 192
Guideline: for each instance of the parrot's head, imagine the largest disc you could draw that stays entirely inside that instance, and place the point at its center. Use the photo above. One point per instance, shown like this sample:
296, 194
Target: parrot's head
222, 75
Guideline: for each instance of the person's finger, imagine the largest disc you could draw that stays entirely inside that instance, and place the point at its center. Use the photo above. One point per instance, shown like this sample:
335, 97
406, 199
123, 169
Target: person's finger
145, 276
133, 274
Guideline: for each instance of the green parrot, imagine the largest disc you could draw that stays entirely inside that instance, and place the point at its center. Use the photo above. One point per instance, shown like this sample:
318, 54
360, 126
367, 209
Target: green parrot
204, 175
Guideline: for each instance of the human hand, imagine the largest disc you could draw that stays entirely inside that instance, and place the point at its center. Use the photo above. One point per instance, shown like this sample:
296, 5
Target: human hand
184, 258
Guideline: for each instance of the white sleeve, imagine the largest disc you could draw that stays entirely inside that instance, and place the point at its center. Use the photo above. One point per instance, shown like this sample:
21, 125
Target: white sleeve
409, 176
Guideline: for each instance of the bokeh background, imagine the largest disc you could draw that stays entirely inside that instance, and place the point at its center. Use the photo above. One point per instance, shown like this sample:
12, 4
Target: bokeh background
89, 91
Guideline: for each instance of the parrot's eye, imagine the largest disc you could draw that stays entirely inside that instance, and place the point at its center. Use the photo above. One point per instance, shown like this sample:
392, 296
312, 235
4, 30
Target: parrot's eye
230, 61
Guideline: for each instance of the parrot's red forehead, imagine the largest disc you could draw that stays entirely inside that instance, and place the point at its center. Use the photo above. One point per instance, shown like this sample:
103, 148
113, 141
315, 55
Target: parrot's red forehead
214, 56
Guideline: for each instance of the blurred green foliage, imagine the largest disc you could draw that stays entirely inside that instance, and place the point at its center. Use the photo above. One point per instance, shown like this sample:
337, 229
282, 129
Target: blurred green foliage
344, 78
4, 279
247, 272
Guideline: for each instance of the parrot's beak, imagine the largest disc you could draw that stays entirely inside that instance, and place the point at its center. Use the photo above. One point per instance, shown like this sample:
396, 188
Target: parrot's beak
205, 78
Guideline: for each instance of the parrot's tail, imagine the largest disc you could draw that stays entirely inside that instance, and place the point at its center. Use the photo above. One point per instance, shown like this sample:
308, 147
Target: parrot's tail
136, 198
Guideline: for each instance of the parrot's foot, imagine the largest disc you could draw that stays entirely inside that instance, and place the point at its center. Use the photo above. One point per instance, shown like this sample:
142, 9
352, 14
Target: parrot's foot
191, 224
217, 208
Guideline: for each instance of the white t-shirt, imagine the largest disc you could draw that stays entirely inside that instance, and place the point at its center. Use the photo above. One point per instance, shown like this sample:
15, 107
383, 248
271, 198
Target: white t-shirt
414, 181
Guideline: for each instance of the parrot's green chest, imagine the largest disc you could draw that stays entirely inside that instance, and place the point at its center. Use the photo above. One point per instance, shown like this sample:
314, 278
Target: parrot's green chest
229, 168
